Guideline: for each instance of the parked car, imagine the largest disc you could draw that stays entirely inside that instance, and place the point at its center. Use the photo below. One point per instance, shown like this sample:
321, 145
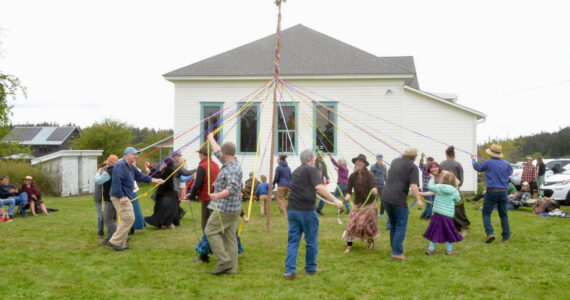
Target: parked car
563, 162
558, 186
517, 174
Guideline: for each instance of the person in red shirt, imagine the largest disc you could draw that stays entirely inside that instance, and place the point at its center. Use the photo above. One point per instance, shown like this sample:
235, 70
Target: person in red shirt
200, 188
529, 175
34, 196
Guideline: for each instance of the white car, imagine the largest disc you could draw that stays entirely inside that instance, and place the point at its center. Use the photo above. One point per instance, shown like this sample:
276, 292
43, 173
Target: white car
563, 162
558, 187
517, 175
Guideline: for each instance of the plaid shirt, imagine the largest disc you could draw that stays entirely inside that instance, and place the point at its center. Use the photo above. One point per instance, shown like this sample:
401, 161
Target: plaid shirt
529, 173
425, 175
229, 178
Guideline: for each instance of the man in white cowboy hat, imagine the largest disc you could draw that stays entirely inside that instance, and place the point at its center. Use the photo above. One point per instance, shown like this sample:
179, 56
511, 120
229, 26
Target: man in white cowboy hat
497, 173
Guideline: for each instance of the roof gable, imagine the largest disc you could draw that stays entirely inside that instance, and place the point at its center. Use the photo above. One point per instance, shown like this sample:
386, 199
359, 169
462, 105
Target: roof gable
304, 52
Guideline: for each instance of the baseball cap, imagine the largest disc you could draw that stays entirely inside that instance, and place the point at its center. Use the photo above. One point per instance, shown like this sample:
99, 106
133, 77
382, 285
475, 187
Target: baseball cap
131, 150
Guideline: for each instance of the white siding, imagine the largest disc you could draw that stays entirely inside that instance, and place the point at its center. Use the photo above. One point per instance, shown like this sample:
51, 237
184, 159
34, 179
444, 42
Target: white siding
386, 99
444, 123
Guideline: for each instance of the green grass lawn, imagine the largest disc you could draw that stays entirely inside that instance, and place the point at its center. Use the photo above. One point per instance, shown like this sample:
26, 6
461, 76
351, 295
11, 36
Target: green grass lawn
60, 257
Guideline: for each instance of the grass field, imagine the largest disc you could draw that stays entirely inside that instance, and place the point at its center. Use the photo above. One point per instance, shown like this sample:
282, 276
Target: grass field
59, 256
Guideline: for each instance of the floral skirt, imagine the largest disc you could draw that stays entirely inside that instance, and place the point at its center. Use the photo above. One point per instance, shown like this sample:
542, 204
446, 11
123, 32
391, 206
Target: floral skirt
362, 223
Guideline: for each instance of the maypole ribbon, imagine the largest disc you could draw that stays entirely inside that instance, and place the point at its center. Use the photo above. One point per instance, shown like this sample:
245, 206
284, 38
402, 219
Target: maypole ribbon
254, 167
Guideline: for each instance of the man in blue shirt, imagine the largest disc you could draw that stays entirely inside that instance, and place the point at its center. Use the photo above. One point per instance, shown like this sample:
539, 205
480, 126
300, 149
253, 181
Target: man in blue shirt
497, 173
122, 192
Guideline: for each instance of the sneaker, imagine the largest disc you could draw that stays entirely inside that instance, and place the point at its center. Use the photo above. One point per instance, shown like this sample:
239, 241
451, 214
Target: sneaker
490, 238
117, 248
430, 252
398, 257
317, 271
291, 276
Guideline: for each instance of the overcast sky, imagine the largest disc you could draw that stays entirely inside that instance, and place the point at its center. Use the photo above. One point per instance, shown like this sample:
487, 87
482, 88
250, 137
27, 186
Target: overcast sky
82, 61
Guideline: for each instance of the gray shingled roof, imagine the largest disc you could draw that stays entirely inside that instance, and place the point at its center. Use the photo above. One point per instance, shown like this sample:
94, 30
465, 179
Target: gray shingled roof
304, 52
41, 135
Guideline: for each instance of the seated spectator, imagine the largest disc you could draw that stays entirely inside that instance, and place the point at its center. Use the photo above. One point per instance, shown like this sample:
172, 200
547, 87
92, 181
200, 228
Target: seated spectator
34, 196
4, 217
248, 186
12, 197
519, 199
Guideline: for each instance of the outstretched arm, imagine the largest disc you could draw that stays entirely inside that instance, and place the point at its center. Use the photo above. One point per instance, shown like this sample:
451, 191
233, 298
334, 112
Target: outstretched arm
213, 144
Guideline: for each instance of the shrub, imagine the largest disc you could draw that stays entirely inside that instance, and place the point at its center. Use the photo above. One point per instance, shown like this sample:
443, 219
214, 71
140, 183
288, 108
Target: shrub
17, 170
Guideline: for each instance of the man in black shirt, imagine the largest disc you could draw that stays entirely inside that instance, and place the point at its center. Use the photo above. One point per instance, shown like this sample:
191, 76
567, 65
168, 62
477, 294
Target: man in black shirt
305, 182
402, 176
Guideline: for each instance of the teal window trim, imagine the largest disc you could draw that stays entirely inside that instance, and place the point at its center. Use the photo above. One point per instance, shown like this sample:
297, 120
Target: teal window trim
202, 117
276, 134
333, 105
238, 130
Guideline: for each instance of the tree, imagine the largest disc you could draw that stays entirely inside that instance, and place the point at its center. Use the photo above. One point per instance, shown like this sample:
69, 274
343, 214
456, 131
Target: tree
109, 135
9, 88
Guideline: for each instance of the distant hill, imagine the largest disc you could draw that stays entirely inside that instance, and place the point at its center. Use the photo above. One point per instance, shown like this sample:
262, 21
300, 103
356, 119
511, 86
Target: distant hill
545, 144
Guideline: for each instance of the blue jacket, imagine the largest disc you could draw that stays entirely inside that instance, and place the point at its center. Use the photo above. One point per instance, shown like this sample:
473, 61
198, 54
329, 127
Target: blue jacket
379, 173
282, 174
123, 179
497, 172
262, 189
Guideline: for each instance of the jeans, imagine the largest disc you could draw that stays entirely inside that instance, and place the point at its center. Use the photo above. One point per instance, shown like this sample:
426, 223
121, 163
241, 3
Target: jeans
11, 202
539, 182
341, 191
99, 205
302, 222
498, 199
110, 219
320, 205
398, 218
98, 197
20, 200
428, 210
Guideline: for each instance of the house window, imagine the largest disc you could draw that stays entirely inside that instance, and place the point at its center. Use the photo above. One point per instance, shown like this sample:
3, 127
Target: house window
325, 131
286, 133
209, 109
248, 129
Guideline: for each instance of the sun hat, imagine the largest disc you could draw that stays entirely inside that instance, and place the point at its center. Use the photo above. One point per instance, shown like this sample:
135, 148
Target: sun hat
361, 157
131, 150
28, 177
496, 151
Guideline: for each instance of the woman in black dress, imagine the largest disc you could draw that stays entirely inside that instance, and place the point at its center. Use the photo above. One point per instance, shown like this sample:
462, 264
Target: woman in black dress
166, 206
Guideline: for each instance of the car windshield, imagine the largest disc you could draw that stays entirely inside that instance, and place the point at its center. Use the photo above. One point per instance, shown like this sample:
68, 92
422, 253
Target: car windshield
562, 163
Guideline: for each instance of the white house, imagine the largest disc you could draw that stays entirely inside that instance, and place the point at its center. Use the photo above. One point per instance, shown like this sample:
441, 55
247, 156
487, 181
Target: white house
379, 94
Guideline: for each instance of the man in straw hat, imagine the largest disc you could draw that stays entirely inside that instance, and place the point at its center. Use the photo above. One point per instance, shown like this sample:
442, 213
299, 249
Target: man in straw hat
402, 176
223, 224
497, 173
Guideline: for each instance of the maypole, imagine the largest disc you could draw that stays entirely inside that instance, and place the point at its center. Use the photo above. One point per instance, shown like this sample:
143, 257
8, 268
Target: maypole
273, 122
